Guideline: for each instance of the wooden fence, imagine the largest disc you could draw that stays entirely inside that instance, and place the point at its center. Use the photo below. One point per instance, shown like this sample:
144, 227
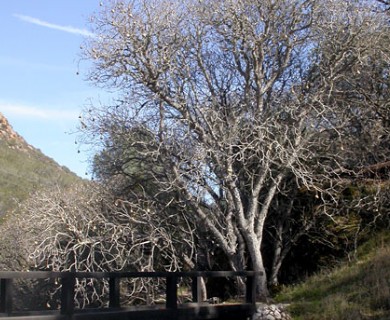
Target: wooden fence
171, 310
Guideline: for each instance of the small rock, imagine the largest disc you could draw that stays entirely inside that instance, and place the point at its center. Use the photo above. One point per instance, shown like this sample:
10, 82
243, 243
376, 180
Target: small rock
271, 312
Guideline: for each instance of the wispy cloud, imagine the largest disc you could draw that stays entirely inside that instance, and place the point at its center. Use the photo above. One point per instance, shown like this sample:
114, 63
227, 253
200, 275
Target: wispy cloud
37, 113
69, 29
25, 64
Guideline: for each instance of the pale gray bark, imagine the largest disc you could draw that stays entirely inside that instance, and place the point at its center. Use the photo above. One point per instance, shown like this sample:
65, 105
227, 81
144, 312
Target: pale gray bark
239, 95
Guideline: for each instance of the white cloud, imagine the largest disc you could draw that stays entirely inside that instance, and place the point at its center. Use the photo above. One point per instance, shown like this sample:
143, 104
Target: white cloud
69, 29
37, 113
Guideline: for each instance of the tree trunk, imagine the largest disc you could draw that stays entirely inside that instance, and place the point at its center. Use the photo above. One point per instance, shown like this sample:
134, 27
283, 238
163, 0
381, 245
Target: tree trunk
237, 263
262, 289
277, 257
276, 265
258, 265
203, 290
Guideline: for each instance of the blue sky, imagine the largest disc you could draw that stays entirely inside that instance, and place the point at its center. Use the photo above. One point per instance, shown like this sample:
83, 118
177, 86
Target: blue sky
41, 93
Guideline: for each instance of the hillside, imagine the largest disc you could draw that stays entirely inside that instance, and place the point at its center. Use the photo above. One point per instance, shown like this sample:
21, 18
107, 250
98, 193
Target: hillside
24, 168
354, 290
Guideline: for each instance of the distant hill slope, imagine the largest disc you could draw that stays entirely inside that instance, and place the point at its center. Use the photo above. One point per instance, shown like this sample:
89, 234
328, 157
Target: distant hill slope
24, 168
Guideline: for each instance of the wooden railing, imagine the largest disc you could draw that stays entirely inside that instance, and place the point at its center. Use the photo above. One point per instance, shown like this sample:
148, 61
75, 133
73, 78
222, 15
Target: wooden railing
68, 280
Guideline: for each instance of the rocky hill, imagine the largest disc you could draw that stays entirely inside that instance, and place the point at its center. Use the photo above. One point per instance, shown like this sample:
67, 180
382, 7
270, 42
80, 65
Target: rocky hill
24, 168
8, 135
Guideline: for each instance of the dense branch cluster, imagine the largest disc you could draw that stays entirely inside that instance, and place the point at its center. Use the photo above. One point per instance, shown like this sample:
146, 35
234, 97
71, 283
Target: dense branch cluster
88, 229
243, 102
239, 127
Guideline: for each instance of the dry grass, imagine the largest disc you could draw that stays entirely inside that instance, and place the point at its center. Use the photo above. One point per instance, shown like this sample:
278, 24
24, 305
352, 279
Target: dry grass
358, 291
22, 172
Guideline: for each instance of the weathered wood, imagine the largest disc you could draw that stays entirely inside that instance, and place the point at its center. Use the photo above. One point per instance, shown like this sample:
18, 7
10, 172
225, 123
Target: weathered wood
171, 292
6, 296
40, 317
31, 275
195, 310
67, 293
114, 292
250, 296
222, 312
102, 275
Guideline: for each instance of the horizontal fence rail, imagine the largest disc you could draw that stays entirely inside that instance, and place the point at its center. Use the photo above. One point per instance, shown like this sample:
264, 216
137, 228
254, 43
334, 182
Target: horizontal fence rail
114, 310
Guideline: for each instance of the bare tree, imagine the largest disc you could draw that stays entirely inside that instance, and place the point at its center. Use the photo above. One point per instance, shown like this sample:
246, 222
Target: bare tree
240, 98
88, 229
14, 256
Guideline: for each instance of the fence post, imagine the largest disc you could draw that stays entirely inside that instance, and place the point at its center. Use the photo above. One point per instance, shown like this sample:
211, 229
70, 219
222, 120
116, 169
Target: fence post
171, 292
250, 296
68, 281
114, 292
6, 296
